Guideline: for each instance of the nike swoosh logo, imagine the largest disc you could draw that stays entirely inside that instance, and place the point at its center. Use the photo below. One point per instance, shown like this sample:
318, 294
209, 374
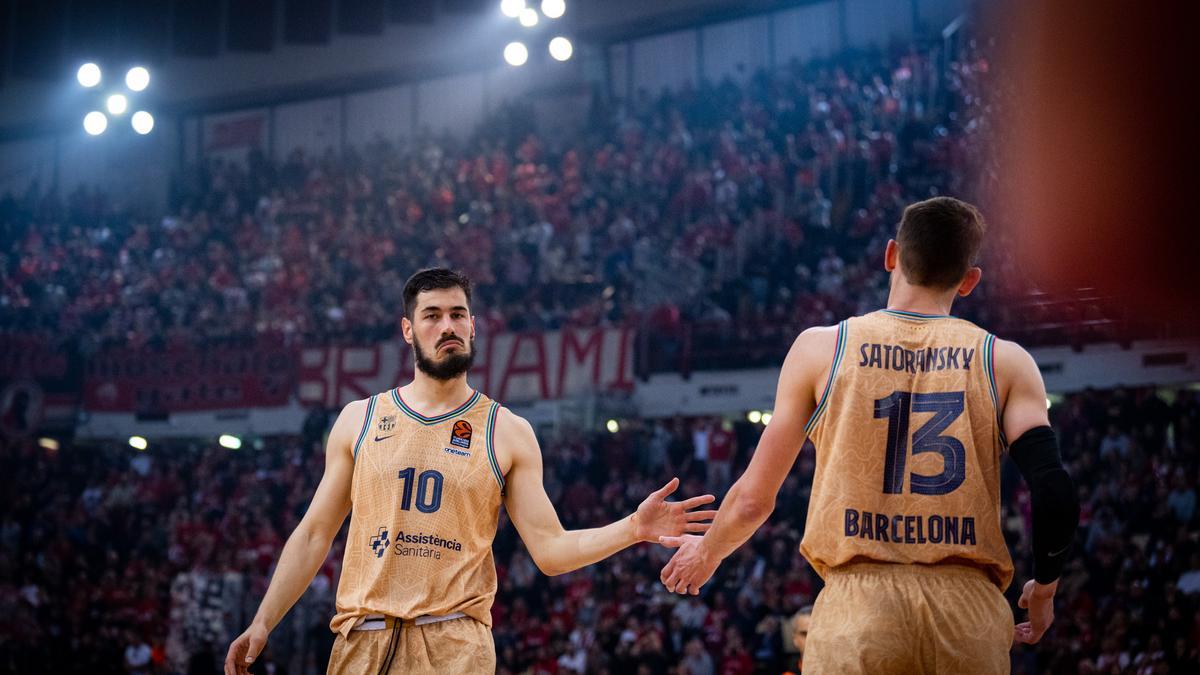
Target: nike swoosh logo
382, 438
1055, 555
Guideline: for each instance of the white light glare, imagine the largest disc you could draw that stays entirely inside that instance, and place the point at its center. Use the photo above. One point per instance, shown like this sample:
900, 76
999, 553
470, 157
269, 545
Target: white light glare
516, 54
142, 122
612, 426
754, 416
512, 8
137, 79
529, 17
118, 104
766, 418
231, 442
88, 75
48, 443
95, 123
138, 443
553, 8
561, 49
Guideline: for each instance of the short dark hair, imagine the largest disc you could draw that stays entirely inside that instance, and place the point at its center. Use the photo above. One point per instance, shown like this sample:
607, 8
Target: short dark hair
939, 241
433, 278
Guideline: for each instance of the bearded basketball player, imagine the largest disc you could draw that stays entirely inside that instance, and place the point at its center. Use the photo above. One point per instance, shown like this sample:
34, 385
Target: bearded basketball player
424, 469
910, 418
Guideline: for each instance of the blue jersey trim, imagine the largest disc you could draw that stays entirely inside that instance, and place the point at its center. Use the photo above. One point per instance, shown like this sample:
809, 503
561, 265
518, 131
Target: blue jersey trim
366, 425
837, 361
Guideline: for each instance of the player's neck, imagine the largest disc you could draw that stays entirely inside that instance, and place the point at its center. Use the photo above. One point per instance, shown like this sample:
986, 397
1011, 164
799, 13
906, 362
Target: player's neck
430, 395
907, 298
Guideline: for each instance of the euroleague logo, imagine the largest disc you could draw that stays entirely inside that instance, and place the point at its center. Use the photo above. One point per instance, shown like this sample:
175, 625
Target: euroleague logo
461, 434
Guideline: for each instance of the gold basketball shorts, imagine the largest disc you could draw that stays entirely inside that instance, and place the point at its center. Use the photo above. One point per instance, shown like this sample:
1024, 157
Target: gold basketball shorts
893, 618
426, 645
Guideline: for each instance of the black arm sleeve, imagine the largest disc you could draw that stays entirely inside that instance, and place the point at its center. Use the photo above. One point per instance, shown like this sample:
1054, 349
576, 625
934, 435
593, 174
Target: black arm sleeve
1055, 506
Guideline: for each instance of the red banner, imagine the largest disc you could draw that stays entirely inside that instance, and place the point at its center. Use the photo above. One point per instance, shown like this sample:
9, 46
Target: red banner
509, 367
187, 380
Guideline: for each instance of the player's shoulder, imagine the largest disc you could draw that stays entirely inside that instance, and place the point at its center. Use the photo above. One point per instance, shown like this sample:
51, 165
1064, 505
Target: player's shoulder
1009, 355
815, 340
511, 425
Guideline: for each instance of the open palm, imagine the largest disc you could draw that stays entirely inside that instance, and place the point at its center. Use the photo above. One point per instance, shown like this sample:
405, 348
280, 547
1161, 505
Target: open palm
656, 517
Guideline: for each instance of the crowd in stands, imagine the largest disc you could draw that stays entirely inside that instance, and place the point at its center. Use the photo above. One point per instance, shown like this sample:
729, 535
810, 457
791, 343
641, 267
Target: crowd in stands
752, 210
116, 561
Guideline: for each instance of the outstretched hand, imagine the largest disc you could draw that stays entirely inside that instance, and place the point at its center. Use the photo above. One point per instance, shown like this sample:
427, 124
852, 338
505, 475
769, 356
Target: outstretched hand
691, 567
656, 517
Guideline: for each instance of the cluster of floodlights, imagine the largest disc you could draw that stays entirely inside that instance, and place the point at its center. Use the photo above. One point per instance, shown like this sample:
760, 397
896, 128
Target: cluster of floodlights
116, 102
516, 53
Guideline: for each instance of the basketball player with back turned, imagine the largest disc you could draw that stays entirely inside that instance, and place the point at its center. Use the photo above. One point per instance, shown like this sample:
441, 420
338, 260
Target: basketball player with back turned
910, 410
425, 468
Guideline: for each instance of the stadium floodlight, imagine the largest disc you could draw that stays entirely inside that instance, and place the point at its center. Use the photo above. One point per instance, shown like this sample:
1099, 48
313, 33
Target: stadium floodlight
512, 8
48, 444
766, 418
754, 416
529, 17
137, 79
95, 123
230, 442
516, 54
612, 426
88, 75
138, 443
117, 104
1047, 404
142, 122
553, 8
561, 49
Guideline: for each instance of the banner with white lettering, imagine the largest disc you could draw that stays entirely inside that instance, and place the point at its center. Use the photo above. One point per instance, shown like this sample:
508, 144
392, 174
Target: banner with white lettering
509, 367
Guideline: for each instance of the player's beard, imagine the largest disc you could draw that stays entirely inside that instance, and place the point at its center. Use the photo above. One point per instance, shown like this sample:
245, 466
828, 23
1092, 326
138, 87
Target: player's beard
450, 367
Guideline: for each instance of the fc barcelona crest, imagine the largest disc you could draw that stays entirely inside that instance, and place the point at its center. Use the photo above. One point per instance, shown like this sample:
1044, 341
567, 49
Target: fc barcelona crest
387, 424
461, 434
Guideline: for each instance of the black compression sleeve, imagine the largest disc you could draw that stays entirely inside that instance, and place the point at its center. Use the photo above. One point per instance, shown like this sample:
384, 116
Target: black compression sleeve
1055, 506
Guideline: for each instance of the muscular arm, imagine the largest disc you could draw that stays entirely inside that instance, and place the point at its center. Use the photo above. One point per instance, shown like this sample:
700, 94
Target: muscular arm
752, 498
558, 551
1034, 449
308, 545
1054, 504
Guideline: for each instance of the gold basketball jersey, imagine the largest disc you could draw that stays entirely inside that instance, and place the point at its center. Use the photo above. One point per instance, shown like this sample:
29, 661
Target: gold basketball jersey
908, 446
425, 503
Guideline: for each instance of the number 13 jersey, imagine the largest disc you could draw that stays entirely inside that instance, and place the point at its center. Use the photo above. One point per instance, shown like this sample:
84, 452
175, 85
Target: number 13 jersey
908, 448
425, 505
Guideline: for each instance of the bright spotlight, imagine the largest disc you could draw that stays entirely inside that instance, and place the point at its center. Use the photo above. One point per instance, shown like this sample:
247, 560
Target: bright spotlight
48, 444
766, 418
512, 8
95, 123
142, 122
612, 426
138, 443
137, 79
118, 104
561, 49
88, 75
1047, 404
754, 416
529, 17
516, 54
230, 442
553, 8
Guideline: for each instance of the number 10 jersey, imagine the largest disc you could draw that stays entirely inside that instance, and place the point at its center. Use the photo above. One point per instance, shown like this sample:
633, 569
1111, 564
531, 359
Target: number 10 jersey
426, 498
